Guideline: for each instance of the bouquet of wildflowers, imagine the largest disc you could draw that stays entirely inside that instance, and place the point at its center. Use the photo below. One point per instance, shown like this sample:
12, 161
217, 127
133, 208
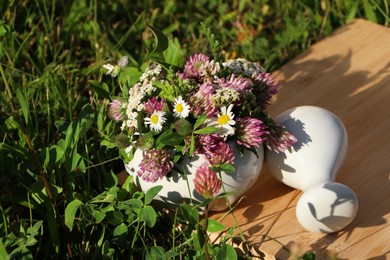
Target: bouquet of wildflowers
202, 108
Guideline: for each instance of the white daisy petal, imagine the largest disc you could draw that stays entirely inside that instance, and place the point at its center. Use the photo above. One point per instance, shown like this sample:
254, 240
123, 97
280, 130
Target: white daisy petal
181, 108
224, 121
156, 120
109, 68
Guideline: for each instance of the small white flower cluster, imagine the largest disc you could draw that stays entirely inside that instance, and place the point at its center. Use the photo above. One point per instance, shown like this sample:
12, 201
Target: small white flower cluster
137, 93
225, 96
151, 73
243, 66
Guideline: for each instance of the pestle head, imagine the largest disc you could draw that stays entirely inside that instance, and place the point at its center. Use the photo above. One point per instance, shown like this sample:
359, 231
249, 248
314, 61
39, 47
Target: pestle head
327, 208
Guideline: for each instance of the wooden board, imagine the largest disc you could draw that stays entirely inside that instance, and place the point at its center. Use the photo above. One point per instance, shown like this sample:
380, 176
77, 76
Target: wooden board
348, 73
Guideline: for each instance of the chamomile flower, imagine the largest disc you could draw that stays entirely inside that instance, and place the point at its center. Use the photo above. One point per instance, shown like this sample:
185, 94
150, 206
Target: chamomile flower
181, 108
224, 121
156, 120
115, 70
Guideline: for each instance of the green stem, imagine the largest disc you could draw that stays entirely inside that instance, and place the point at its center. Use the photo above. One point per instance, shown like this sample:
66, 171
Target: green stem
231, 210
102, 163
206, 246
7, 88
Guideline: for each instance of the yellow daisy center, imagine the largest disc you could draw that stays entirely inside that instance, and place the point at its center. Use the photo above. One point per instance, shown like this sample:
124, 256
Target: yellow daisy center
179, 108
154, 119
223, 120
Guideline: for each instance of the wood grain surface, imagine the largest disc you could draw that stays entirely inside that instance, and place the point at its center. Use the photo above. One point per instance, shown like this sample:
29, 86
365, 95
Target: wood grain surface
347, 73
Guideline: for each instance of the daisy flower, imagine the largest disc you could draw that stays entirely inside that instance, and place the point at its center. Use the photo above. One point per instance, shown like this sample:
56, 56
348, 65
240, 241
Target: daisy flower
156, 120
224, 121
181, 108
115, 70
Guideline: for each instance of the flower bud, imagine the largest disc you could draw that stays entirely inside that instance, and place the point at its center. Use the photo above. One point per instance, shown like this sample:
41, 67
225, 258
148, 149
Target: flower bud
206, 182
145, 141
183, 127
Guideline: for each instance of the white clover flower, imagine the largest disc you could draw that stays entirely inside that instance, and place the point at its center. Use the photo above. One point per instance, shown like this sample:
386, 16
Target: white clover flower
115, 70
156, 120
209, 68
181, 108
224, 121
243, 66
225, 96
131, 120
151, 73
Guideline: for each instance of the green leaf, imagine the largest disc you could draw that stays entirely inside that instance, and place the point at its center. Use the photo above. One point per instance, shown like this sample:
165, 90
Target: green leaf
53, 154
101, 239
111, 181
77, 163
3, 251
130, 76
114, 217
207, 130
101, 89
214, 226
120, 230
98, 215
228, 168
17, 153
107, 144
368, 10
156, 252
200, 121
54, 237
227, 252
5, 29
199, 239
169, 138
171, 254
166, 51
190, 213
148, 215
24, 105
309, 256
128, 185
70, 212
151, 193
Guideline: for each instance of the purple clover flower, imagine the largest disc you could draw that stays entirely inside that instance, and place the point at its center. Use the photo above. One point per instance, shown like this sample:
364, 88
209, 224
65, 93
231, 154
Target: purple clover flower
238, 83
206, 181
264, 88
202, 101
280, 139
155, 165
250, 132
116, 110
216, 150
192, 66
154, 104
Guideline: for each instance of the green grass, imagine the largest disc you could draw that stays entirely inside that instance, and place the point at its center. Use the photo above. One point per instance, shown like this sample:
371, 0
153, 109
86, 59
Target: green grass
53, 125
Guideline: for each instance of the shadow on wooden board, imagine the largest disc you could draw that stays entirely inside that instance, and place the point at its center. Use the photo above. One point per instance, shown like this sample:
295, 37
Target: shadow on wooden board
348, 74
